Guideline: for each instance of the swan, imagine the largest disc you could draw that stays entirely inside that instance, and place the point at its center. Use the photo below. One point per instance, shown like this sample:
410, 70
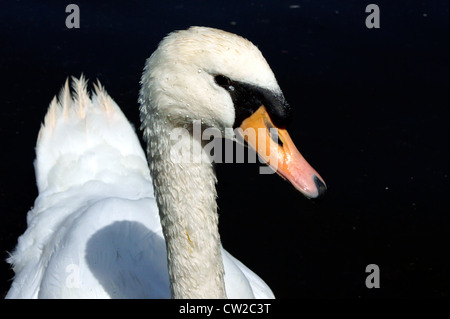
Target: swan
110, 222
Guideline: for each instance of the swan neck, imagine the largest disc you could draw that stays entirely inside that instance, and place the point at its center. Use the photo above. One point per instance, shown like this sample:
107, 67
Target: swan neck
186, 196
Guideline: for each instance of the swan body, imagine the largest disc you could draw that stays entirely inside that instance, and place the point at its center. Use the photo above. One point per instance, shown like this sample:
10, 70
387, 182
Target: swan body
95, 231
109, 222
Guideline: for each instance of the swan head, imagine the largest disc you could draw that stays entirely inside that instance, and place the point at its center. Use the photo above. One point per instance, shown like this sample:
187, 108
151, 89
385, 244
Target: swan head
223, 80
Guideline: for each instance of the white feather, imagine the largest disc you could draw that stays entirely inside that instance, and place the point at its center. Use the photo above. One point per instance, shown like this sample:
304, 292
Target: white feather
95, 229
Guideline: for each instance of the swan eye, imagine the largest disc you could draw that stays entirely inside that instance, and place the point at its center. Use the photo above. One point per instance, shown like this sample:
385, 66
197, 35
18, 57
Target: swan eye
222, 81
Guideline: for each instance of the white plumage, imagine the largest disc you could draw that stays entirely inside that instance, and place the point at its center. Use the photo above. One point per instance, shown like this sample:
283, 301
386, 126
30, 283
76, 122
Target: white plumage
94, 231
102, 227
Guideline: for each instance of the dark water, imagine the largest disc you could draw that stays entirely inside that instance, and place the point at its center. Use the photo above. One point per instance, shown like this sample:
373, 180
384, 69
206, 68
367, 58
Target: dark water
371, 115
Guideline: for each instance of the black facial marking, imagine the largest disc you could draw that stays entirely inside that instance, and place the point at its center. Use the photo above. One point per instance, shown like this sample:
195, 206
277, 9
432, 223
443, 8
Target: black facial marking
247, 98
221, 80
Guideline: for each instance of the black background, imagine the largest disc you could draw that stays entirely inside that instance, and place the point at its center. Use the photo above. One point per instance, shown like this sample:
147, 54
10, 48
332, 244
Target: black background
371, 115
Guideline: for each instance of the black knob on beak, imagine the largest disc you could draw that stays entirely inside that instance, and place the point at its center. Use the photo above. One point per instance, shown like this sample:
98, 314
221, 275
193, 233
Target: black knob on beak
322, 189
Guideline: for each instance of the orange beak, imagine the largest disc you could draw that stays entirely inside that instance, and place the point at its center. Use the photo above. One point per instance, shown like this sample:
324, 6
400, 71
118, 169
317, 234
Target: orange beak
276, 148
